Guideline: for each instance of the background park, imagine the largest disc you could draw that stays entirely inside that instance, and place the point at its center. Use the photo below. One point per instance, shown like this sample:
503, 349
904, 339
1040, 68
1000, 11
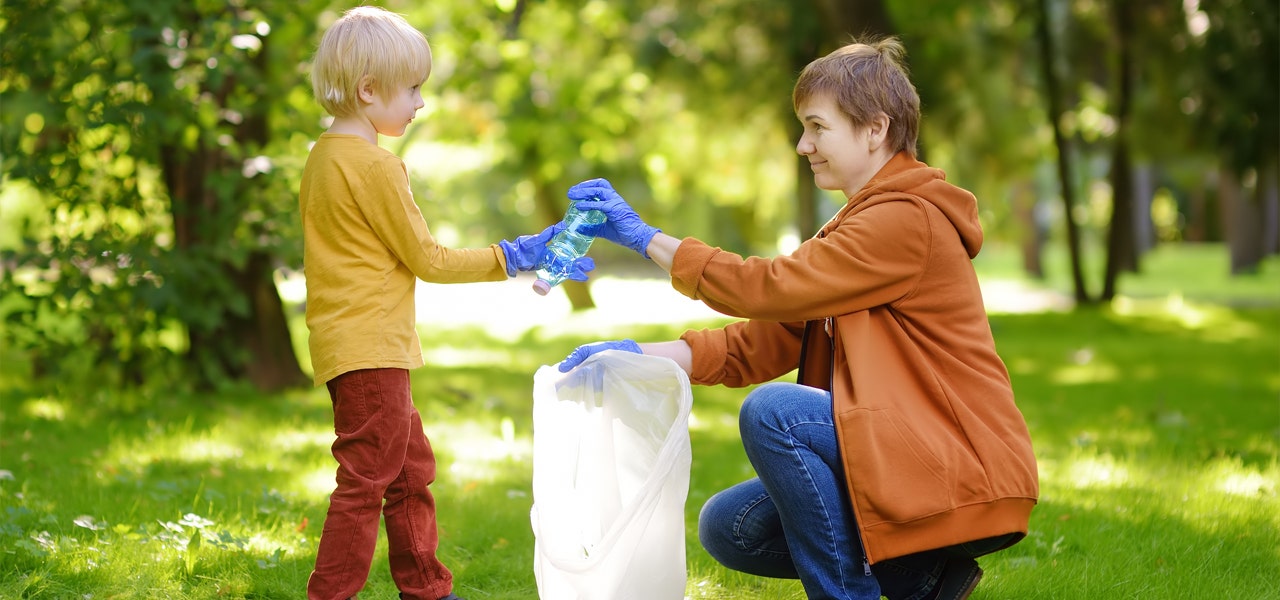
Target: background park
158, 434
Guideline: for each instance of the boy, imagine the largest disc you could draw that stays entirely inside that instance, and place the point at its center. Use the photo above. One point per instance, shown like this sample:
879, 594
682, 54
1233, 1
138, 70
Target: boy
365, 245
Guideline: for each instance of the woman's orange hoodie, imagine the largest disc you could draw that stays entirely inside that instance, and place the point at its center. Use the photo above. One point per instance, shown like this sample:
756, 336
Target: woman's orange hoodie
883, 308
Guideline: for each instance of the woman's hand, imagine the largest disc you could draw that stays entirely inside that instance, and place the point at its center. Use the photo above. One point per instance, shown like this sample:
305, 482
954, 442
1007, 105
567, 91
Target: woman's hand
581, 353
622, 226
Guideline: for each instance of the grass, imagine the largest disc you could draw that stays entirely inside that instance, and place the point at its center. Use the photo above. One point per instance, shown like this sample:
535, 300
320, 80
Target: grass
1156, 422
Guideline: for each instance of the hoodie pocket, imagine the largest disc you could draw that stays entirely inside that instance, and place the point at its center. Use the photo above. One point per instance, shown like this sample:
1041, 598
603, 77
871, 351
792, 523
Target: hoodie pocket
892, 471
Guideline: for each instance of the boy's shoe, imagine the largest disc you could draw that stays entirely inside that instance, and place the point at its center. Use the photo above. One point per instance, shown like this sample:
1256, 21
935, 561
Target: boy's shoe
959, 577
451, 596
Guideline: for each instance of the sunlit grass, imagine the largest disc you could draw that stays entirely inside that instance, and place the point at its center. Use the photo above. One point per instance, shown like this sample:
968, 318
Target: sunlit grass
1147, 526
1156, 423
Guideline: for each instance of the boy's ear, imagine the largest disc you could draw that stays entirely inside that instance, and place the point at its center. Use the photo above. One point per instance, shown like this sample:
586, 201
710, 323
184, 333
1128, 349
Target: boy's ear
366, 90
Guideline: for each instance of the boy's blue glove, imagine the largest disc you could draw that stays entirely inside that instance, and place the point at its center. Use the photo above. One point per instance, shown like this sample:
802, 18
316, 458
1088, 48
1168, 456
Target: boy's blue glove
581, 353
526, 253
623, 226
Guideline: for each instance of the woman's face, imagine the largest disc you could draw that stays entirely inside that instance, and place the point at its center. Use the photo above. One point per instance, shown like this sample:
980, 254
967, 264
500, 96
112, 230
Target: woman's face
840, 154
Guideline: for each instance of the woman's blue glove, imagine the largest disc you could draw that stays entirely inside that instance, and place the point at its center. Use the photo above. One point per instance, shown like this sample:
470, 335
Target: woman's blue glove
623, 226
580, 354
525, 254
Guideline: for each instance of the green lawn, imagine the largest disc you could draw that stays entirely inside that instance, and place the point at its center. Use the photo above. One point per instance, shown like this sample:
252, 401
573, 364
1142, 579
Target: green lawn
1156, 422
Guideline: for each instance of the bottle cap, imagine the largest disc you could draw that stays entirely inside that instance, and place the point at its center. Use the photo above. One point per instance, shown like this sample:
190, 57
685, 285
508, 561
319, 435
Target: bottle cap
541, 287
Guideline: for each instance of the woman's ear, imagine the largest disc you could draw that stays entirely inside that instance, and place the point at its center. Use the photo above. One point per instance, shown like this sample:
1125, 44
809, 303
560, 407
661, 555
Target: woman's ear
366, 90
877, 132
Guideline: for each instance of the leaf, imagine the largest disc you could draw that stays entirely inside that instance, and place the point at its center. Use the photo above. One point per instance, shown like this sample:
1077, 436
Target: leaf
190, 557
196, 521
89, 523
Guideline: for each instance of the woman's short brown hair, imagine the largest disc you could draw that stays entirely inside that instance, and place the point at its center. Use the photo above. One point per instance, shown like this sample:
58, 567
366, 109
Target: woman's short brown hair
866, 79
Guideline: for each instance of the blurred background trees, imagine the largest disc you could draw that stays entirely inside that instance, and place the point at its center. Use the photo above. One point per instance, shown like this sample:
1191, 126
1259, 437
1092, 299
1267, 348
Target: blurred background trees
151, 150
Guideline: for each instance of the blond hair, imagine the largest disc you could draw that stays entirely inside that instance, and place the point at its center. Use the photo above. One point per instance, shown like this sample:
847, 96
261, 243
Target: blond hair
372, 42
866, 79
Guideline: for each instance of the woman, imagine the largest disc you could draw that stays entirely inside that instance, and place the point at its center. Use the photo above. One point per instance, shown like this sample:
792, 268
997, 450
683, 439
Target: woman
899, 455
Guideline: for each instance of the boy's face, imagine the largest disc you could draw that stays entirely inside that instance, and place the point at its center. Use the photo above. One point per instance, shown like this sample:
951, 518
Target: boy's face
839, 153
391, 110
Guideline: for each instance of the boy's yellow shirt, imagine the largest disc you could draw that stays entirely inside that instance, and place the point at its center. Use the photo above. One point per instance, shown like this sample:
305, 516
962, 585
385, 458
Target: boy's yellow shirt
365, 245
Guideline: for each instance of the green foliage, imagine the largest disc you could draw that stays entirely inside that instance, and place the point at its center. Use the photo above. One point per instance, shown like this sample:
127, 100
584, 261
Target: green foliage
983, 115
142, 130
648, 95
1238, 114
150, 150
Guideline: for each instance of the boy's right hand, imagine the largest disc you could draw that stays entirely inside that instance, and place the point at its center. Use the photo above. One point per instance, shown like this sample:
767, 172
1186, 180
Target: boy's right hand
525, 254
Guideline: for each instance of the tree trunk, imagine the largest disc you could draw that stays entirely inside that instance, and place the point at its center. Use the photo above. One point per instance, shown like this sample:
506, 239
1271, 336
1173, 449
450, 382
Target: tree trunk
1144, 192
1122, 246
272, 363
1025, 210
185, 174
856, 17
1269, 200
1065, 157
1121, 242
1241, 222
256, 346
1197, 229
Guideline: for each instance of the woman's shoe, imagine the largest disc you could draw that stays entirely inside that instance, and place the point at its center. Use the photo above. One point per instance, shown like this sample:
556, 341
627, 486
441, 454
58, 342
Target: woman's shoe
959, 577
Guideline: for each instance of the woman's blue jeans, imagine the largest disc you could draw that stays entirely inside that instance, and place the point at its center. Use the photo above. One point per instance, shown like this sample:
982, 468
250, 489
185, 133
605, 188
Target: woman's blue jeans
795, 520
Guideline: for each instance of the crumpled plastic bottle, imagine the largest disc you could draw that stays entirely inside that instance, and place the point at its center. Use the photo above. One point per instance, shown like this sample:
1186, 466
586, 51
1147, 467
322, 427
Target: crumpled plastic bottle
566, 247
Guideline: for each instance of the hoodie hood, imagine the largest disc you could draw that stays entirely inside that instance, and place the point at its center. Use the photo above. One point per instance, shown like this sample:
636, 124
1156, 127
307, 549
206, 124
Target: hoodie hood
906, 176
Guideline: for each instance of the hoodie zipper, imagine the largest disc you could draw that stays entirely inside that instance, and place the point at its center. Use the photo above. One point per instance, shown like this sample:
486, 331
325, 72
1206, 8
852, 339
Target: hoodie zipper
830, 327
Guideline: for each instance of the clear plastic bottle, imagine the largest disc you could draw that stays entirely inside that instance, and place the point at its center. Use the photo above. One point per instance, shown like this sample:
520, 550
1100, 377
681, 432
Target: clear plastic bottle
566, 247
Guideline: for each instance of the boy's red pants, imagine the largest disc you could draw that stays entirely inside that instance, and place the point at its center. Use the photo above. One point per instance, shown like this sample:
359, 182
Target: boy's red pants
385, 464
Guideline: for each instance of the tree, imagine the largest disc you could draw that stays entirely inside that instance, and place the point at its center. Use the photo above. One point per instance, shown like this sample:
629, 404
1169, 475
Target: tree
1238, 115
143, 127
1122, 247
161, 141
647, 94
1066, 165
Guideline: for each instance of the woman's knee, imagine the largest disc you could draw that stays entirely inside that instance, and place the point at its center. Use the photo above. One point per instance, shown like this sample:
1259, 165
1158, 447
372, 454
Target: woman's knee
761, 406
741, 530
771, 409
715, 524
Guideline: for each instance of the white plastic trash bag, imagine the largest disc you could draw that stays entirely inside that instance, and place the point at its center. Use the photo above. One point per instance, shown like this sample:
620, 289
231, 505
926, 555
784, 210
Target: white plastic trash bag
610, 477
